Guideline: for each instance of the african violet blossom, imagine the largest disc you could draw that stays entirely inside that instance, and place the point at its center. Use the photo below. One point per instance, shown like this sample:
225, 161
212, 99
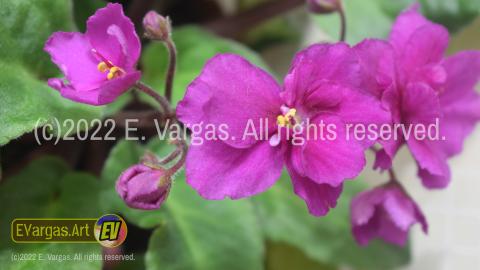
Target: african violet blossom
100, 64
320, 86
385, 212
413, 79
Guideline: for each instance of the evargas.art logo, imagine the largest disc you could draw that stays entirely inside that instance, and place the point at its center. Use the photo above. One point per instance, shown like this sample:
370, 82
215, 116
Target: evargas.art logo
110, 230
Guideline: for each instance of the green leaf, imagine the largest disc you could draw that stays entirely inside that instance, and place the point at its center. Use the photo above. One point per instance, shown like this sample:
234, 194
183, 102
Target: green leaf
54, 249
281, 256
84, 9
453, 14
195, 46
205, 235
47, 189
365, 19
191, 232
25, 25
26, 102
328, 239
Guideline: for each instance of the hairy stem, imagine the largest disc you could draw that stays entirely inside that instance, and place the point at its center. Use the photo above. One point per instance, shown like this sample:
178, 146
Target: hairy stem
173, 155
182, 145
167, 109
164, 104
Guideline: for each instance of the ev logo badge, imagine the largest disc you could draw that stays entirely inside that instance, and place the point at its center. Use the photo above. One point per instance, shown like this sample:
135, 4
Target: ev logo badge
110, 230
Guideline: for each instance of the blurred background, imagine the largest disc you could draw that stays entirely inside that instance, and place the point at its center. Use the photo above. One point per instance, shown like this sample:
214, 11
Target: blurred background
270, 231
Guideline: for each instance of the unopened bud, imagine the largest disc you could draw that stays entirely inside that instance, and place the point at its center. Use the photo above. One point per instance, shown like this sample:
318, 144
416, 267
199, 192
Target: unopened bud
143, 187
156, 26
323, 6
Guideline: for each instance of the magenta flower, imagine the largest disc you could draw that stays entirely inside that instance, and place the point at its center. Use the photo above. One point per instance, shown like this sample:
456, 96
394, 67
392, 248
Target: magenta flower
143, 187
385, 212
321, 86
413, 79
100, 64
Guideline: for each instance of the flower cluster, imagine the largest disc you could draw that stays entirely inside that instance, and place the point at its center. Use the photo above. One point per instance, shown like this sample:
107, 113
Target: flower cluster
403, 80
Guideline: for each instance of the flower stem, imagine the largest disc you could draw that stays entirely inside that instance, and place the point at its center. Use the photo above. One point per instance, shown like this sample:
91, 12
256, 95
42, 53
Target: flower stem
172, 64
173, 155
164, 104
182, 146
169, 113
343, 22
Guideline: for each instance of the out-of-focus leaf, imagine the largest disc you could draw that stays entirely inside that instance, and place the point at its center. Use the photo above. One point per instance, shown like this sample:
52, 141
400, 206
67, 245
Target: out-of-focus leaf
452, 14
393, 8
281, 256
84, 9
195, 46
327, 239
373, 19
273, 32
26, 101
365, 19
47, 189
191, 232
467, 39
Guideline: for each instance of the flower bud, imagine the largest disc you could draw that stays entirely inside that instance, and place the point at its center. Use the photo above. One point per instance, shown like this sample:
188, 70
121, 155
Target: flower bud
156, 26
143, 187
323, 6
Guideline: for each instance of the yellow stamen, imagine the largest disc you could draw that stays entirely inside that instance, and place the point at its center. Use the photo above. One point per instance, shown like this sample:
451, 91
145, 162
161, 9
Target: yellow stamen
291, 113
114, 72
281, 120
102, 67
284, 120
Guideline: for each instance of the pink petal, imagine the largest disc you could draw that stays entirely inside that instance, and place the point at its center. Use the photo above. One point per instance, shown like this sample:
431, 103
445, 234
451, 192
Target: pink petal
403, 211
320, 63
427, 45
433, 181
113, 35
384, 157
330, 161
406, 24
377, 60
362, 206
463, 72
217, 170
460, 103
104, 94
385, 212
72, 53
432, 161
232, 92
420, 104
372, 112
320, 198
